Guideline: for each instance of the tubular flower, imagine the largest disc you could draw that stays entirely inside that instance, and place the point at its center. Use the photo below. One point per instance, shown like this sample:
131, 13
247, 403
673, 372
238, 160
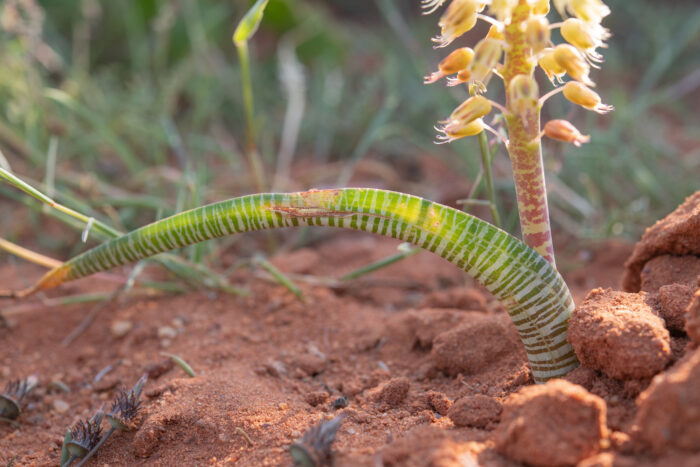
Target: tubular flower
469, 110
537, 33
563, 130
487, 54
573, 63
588, 10
585, 36
453, 131
523, 93
454, 63
502, 9
551, 67
539, 7
459, 18
585, 97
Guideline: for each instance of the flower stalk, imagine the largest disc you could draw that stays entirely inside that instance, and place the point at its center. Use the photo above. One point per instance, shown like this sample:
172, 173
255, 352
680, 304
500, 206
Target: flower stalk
518, 41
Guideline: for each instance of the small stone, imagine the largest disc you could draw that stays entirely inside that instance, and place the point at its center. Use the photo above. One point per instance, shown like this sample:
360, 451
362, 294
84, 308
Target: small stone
166, 332
61, 406
477, 411
120, 329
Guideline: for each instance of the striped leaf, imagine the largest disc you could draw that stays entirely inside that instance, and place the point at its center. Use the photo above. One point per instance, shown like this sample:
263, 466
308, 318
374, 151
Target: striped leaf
533, 292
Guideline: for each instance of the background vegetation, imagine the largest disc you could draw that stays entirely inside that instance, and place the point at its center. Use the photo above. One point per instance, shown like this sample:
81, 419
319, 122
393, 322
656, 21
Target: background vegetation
132, 110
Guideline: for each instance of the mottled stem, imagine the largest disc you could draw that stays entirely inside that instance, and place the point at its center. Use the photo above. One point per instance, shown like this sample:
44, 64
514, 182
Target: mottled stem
524, 146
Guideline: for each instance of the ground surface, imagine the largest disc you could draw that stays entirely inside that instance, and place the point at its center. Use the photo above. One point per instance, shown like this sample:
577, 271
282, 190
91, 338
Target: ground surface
272, 365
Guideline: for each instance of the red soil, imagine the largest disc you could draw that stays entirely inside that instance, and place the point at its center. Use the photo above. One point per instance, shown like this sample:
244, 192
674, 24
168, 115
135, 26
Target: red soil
429, 364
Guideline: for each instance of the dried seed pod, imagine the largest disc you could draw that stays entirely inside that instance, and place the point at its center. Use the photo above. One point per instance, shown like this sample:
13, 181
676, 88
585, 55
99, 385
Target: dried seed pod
314, 449
563, 130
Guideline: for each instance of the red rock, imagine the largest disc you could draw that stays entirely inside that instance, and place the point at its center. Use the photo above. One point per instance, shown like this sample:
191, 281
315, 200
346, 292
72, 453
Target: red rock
618, 334
669, 409
554, 424
477, 411
676, 234
477, 345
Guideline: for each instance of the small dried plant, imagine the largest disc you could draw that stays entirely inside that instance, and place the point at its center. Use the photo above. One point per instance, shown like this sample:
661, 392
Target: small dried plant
516, 45
11, 398
314, 448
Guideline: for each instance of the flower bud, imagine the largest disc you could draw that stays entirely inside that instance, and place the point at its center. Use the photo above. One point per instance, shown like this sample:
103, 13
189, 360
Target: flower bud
585, 97
459, 18
487, 54
589, 10
496, 33
523, 93
502, 9
563, 130
537, 33
550, 66
452, 132
539, 7
453, 63
469, 110
585, 36
573, 63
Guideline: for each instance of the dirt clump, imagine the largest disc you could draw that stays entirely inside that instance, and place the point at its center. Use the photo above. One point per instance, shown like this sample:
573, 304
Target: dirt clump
677, 234
554, 424
692, 323
669, 410
492, 341
667, 269
476, 411
619, 334
391, 393
461, 298
426, 446
673, 301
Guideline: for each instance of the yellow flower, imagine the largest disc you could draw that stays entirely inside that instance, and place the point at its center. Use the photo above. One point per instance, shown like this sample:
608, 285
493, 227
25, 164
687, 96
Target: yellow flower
573, 63
451, 133
589, 10
487, 54
537, 33
539, 7
585, 36
455, 62
585, 97
459, 18
551, 67
502, 9
523, 93
563, 130
469, 110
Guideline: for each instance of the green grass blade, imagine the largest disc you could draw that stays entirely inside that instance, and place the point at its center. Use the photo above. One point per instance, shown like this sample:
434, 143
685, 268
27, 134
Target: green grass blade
250, 22
532, 291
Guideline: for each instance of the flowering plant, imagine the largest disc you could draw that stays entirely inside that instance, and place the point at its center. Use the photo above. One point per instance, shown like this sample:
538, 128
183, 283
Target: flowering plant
519, 42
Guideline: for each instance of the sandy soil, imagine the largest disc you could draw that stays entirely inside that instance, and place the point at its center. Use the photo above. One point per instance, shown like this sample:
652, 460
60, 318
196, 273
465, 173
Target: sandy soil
429, 366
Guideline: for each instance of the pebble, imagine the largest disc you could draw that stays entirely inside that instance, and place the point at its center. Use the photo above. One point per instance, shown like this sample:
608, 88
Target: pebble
166, 332
61, 406
121, 328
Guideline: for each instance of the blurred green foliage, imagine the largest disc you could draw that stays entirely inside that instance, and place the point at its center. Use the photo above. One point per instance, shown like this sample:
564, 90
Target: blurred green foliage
143, 100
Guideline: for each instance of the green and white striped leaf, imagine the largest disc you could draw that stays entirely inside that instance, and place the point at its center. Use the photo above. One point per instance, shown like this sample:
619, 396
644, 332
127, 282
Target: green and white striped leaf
533, 292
